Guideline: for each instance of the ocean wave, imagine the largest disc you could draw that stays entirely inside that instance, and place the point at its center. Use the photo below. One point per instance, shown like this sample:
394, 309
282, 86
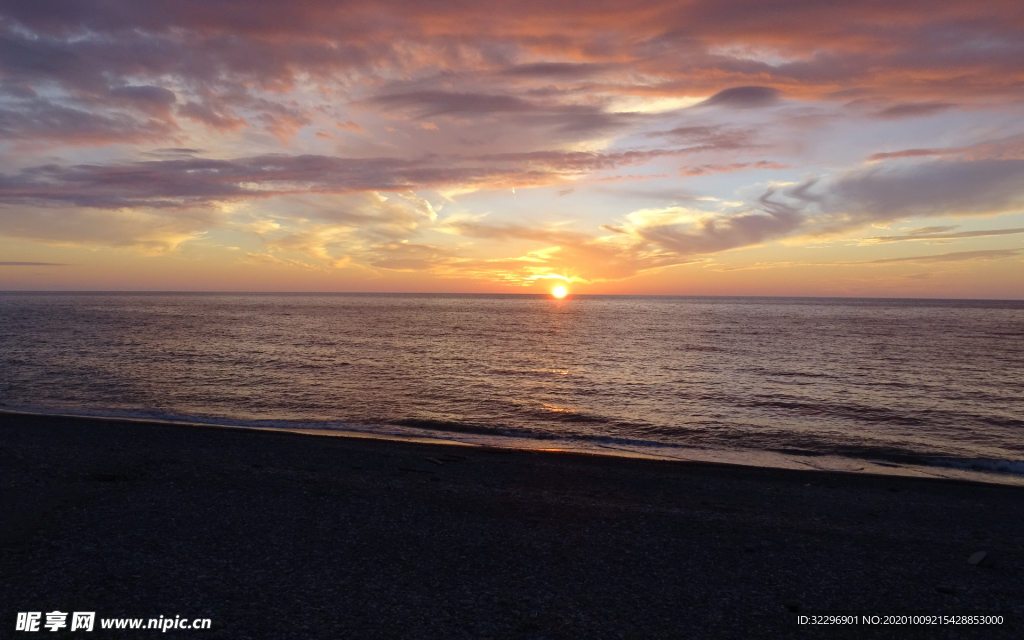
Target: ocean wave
531, 434
880, 455
1014, 467
466, 427
884, 456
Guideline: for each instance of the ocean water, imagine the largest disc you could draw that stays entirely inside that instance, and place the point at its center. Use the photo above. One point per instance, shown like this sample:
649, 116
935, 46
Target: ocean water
920, 387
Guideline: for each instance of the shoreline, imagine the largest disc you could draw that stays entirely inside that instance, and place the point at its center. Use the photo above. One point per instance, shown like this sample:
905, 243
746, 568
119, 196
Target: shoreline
271, 534
672, 453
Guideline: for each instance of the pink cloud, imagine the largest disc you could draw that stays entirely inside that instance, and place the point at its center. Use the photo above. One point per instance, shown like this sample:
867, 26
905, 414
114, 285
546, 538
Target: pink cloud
219, 62
705, 169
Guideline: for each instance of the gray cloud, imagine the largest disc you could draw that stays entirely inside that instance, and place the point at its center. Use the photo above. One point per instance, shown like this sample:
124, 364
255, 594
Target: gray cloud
427, 104
912, 153
558, 70
32, 264
743, 98
576, 121
899, 190
1011, 147
173, 151
914, 110
147, 98
931, 188
709, 138
768, 221
41, 120
885, 193
216, 75
189, 182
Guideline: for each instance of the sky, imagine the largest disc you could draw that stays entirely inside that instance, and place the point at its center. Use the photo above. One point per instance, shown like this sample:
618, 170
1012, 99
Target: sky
705, 147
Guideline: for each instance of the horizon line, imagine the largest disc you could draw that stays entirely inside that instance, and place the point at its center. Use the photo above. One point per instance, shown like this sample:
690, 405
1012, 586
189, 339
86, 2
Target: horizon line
457, 293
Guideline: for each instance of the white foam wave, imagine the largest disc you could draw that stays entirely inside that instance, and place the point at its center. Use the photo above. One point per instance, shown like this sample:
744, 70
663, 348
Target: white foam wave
1015, 467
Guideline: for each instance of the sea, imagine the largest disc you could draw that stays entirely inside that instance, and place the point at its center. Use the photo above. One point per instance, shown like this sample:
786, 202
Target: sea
912, 387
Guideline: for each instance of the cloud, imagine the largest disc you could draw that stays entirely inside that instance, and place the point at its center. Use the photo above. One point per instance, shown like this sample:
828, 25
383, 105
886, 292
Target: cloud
333, 226
156, 204
32, 264
171, 152
220, 117
146, 98
959, 256
427, 104
886, 192
842, 202
195, 182
147, 231
649, 239
38, 121
943, 233
911, 153
266, 258
570, 120
1007, 148
715, 233
558, 253
410, 256
231, 66
925, 189
914, 110
743, 98
709, 138
564, 71
705, 169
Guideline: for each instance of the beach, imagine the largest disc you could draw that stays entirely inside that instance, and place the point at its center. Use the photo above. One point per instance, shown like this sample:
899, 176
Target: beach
274, 534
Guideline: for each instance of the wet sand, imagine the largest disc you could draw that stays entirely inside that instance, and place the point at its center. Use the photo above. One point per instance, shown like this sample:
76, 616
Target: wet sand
283, 535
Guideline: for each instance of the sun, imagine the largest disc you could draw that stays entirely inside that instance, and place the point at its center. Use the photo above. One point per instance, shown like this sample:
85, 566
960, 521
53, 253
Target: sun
559, 292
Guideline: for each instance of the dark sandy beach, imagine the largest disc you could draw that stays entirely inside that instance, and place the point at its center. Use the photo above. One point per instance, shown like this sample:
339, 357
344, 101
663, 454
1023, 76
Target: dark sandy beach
281, 535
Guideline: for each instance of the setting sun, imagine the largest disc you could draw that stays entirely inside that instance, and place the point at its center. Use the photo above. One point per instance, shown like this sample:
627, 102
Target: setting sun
559, 292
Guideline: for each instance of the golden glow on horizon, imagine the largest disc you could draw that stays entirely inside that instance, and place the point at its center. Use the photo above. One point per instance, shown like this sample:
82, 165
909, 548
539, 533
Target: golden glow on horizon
559, 292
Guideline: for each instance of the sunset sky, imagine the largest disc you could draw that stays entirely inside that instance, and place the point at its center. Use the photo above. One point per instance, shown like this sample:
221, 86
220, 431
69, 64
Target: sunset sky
724, 147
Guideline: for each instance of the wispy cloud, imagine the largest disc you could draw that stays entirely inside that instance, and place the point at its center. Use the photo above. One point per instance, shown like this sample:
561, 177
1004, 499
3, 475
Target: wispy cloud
705, 169
914, 109
943, 233
958, 256
743, 98
192, 182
